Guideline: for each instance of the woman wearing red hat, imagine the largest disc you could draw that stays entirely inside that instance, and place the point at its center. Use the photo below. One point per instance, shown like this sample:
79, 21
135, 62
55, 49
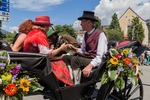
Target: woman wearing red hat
37, 42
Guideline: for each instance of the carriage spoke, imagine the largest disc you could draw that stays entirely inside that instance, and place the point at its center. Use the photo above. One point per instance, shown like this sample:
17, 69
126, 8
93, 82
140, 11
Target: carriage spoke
114, 97
129, 90
137, 98
133, 91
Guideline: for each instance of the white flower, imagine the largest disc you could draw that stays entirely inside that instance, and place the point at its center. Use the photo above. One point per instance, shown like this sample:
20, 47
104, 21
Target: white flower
0, 81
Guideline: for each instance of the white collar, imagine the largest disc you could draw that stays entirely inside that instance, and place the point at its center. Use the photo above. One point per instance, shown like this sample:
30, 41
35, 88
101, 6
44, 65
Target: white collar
91, 31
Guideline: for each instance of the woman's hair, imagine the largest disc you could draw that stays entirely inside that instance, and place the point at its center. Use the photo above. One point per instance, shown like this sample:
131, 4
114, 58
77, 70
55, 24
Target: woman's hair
25, 26
42, 28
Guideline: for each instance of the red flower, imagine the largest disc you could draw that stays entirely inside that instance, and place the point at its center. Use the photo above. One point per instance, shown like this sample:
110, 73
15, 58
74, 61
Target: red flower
10, 89
127, 61
134, 67
118, 56
138, 76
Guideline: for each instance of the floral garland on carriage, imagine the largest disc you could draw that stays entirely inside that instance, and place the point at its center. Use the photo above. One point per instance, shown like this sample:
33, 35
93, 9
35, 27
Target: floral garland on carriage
122, 63
15, 83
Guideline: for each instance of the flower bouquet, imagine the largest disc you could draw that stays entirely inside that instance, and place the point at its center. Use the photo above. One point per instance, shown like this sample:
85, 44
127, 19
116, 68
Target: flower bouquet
122, 63
14, 83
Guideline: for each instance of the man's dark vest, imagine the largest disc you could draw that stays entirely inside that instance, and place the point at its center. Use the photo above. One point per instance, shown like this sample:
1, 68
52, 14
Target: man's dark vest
91, 43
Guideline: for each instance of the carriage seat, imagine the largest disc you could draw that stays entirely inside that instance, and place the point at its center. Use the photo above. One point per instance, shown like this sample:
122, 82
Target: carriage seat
112, 44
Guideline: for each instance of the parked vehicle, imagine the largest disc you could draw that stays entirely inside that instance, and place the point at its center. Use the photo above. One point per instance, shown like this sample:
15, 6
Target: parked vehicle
38, 64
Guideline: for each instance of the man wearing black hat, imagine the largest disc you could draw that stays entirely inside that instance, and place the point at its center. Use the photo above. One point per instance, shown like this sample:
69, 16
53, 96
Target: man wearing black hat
94, 46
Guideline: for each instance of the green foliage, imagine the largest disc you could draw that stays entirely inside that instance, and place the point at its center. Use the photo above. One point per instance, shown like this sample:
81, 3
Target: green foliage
14, 82
66, 29
10, 36
115, 35
120, 83
122, 65
115, 23
114, 31
0, 3
98, 24
2, 36
136, 31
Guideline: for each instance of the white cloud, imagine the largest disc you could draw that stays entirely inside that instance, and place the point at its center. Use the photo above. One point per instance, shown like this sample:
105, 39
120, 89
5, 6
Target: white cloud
14, 28
35, 5
10, 28
107, 8
104, 10
76, 25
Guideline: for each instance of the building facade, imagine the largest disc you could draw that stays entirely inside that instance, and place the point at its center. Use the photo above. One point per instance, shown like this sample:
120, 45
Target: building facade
126, 20
148, 25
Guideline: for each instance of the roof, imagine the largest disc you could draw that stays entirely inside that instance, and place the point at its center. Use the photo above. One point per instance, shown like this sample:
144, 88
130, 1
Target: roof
133, 12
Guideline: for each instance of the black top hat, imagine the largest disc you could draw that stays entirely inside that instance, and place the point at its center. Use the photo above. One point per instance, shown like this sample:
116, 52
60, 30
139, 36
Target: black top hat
88, 15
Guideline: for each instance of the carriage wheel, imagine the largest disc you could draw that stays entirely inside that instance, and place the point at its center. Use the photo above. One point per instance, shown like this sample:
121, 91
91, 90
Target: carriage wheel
130, 92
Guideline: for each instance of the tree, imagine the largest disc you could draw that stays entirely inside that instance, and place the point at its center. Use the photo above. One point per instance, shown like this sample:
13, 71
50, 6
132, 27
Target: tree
115, 23
0, 3
10, 36
66, 29
2, 35
114, 31
98, 24
115, 35
136, 30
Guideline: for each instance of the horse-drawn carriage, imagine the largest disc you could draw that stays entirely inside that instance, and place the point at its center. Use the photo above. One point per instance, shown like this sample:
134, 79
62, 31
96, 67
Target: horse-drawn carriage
89, 89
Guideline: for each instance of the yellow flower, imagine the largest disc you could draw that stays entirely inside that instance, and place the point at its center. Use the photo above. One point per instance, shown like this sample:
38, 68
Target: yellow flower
6, 77
125, 52
135, 62
24, 84
114, 61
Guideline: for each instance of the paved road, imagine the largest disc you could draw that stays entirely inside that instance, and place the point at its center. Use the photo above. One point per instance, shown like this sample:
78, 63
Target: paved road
145, 79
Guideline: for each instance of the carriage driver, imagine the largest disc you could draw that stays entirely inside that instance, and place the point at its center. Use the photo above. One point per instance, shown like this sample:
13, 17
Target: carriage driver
93, 47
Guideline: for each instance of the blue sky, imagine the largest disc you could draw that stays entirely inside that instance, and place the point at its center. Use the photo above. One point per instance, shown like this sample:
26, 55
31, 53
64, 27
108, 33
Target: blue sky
67, 11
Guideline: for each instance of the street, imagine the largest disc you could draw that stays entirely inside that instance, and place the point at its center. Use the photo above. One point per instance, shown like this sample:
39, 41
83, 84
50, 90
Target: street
146, 81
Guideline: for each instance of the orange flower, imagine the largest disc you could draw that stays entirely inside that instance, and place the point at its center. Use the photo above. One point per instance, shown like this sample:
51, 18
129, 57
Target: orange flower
10, 89
127, 61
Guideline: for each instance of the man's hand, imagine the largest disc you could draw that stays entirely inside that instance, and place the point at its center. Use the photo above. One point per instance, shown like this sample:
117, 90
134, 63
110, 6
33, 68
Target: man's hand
71, 47
87, 70
63, 47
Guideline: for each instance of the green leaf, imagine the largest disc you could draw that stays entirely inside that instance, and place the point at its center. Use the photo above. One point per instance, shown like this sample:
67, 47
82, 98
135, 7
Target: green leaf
141, 73
113, 75
104, 78
36, 86
113, 52
120, 83
134, 80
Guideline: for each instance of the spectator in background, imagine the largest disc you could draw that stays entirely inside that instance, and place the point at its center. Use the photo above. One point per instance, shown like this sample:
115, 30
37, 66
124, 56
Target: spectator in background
147, 55
24, 28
